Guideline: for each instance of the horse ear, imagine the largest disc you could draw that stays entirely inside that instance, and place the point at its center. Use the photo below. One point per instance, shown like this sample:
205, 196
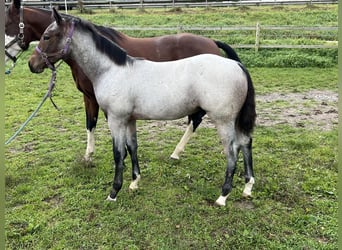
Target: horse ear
17, 4
56, 16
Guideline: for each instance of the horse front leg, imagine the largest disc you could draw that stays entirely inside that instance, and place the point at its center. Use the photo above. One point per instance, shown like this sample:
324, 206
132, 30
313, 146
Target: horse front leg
92, 112
119, 152
132, 146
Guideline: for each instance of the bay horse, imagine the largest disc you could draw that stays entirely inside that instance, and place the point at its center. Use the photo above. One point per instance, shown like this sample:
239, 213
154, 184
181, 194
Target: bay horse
163, 48
130, 89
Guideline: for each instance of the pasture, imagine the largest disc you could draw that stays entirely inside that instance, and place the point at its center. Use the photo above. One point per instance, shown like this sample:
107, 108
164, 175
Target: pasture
54, 201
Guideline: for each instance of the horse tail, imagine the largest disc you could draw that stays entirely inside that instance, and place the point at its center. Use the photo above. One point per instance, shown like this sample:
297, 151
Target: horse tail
230, 52
247, 115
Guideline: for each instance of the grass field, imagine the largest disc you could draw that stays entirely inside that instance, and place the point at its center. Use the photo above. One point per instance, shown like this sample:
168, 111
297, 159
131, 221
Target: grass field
53, 201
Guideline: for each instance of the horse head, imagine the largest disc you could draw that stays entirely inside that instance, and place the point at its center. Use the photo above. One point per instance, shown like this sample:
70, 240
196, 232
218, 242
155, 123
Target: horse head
53, 45
12, 18
27, 24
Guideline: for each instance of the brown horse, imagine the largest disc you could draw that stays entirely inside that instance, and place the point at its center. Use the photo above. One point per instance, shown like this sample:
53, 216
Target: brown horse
34, 21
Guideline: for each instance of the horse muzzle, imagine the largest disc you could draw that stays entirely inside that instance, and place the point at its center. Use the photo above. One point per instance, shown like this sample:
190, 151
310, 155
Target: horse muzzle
36, 67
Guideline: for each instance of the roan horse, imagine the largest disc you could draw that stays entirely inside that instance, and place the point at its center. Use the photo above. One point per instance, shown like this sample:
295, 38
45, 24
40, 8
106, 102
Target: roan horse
164, 48
129, 89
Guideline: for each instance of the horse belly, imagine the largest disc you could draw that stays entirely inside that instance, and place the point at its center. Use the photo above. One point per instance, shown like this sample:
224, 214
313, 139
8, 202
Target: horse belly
164, 108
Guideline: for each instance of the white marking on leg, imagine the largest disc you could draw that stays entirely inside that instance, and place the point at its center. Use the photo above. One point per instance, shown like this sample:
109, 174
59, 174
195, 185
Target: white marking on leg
110, 198
184, 140
247, 192
90, 145
221, 201
134, 184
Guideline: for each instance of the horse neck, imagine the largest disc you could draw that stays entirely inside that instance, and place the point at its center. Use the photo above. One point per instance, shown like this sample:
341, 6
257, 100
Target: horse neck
83, 54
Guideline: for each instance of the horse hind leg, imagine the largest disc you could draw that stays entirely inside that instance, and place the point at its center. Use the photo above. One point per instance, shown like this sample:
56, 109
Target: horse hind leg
184, 140
238, 141
248, 165
194, 121
92, 111
232, 145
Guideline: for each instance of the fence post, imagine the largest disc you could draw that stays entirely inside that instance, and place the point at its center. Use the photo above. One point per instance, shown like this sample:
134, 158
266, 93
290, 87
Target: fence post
180, 29
257, 36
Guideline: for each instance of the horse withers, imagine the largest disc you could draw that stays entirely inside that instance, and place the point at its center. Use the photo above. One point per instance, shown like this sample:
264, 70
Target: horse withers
162, 48
130, 89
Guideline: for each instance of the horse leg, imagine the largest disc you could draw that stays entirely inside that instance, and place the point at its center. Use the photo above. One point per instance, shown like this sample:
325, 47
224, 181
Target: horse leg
194, 121
184, 140
118, 132
132, 146
248, 165
92, 112
231, 149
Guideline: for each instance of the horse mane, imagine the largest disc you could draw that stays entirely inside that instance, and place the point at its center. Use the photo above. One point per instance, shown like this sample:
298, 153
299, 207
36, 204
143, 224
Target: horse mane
109, 33
103, 44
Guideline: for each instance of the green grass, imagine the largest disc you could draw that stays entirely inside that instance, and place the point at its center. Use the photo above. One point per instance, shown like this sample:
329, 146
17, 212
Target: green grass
324, 15
53, 201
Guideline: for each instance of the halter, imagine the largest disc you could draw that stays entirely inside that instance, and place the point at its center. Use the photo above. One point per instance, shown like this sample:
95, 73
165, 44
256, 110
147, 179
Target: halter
20, 37
9, 45
62, 52
13, 58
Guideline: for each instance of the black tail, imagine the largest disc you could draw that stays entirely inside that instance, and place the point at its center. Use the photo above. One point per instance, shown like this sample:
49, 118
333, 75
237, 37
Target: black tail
246, 118
230, 52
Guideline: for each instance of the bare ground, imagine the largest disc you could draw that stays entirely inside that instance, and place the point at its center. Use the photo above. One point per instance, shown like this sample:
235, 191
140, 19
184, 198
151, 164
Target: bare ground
315, 109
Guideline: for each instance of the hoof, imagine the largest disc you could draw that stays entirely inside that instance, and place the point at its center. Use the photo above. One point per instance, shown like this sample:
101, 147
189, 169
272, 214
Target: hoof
247, 192
88, 156
88, 159
246, 195
88, 162
221, 201
110, 199
174, 156
134, 184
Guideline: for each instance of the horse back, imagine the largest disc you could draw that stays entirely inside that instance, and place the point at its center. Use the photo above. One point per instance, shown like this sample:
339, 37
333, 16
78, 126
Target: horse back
169, 47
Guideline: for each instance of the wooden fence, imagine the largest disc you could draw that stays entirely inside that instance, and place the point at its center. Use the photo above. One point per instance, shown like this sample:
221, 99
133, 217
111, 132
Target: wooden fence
166, 3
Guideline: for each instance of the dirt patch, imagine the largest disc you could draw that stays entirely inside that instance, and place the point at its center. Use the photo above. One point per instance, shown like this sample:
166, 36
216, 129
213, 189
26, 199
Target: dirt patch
315, 109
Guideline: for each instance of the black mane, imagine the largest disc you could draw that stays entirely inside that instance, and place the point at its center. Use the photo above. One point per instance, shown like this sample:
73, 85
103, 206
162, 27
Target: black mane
111, 34
103, 44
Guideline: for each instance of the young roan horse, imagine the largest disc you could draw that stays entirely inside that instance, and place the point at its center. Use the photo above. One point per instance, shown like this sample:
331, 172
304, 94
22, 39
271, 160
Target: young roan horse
129, 89
164, 48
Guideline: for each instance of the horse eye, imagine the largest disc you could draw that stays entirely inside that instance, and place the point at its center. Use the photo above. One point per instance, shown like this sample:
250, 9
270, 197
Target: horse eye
46, 37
